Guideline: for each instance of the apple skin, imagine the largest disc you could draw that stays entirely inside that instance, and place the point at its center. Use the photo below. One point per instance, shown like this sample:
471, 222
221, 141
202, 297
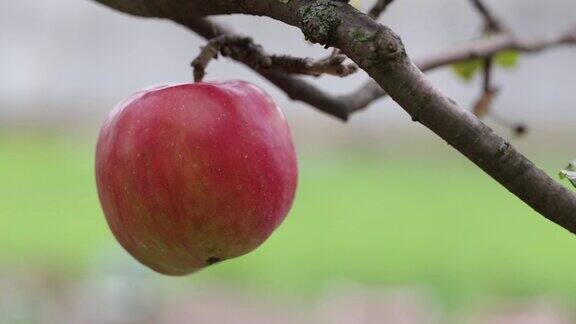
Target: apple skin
192, 174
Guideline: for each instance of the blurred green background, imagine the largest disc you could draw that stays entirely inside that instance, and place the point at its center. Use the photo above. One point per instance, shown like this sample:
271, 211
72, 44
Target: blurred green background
361, 217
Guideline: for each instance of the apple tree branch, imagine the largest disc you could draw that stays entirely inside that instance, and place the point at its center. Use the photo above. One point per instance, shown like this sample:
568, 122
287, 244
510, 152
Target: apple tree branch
379, 51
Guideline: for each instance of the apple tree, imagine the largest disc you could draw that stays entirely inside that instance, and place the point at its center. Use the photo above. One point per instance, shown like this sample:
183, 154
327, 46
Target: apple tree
355, 40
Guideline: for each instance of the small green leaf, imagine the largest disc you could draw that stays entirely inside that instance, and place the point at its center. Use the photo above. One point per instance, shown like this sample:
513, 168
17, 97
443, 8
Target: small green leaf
507, 59
467, 69
569, 173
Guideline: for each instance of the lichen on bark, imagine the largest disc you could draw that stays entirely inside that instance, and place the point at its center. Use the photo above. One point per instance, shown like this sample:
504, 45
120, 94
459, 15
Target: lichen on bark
359, 35
319, 20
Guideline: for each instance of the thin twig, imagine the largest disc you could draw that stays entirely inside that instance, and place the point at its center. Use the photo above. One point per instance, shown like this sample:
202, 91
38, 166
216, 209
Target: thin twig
491, 21
484, 103
208, 52
478, 49
378, 8
483, 106
487, 84
331, 65
491, 45
256, 57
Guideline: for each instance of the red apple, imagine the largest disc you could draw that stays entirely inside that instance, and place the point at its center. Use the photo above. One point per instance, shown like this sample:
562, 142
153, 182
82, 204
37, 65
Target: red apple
192, 174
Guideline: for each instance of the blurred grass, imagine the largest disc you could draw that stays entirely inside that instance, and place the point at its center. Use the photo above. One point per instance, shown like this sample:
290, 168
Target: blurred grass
358, 217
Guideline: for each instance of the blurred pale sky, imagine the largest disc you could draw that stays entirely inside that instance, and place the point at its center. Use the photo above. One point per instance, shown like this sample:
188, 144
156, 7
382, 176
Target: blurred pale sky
69, 59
